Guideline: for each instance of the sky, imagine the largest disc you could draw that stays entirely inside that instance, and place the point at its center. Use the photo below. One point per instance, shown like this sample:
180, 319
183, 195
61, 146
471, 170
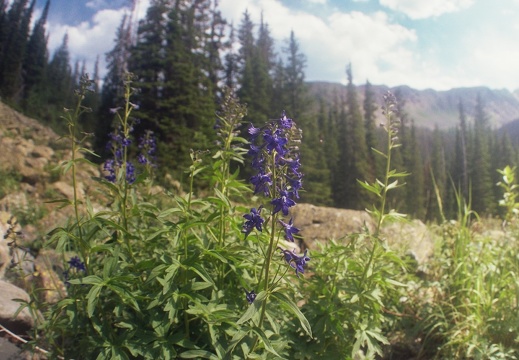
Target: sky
437, 44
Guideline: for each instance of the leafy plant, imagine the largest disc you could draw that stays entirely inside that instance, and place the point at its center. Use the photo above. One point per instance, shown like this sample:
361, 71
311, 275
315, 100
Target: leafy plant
348, 294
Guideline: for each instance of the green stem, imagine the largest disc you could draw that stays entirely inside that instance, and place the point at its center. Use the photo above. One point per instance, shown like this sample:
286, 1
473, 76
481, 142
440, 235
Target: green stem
382, 210
73, 141
124, 202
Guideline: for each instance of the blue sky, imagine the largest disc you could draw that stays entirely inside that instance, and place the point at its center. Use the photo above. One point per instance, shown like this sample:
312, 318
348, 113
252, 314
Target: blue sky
439, 44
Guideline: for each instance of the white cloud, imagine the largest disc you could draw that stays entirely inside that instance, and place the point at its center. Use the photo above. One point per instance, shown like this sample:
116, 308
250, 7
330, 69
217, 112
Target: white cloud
320, 2
421, 9
96, 4
378, 49
90, 39
491, 60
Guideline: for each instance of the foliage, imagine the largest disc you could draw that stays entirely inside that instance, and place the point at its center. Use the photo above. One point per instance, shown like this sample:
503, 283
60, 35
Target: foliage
466, 307
9, 181
146, 282
346, 298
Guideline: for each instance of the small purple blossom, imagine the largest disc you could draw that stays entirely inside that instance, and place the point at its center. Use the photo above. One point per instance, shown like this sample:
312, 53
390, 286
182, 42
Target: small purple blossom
261, 183
296, 262
126, 142
250, 296
253, 131
283, 202
275, 141
130, 172
254, 220
109, 167
289, 229
76, 263
285, 122
142, 159
148, 147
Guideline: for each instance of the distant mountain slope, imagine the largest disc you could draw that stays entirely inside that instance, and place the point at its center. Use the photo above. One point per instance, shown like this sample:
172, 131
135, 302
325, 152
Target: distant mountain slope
429, 107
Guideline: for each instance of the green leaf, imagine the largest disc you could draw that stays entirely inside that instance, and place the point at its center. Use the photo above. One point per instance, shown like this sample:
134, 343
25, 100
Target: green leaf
200, 270
288, 304
200, 285
370, 188
253, 308
93, 298
198, 354
266, 341
89, 280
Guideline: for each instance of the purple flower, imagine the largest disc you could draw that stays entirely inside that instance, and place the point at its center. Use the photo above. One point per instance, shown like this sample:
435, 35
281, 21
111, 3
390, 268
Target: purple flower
253, 131
250, 296
261, 182
76, 263
275, 141
296, 262
109, 166
254, 220
142, 159
289, 229
285, 122
130, 172
126, 142
282, 203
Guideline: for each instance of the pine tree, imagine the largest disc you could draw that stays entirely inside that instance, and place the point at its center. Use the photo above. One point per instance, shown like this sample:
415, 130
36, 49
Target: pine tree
438, 185
231, 62
415, 187
370, 109
480, 173
176, 97
353, 158
17, 26
255, 65
214, 46
92, 100
113, 88
262, 64
313, 158
279, 79
35, 66
295, 89
245, 66
460, 172
3, 21
59, 81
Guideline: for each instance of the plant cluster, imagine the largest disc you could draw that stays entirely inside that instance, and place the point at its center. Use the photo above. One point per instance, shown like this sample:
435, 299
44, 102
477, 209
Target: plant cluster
190, 275
188, 280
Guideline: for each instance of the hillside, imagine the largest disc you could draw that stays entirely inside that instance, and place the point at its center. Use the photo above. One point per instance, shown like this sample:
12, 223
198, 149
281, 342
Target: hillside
429, 108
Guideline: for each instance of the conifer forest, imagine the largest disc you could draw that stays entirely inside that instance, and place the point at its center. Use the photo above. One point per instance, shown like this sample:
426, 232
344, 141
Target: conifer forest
207, 272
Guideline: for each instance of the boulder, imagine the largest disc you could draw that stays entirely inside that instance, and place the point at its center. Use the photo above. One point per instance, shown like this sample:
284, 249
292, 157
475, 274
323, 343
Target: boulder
47, 266
411, 236
319, 224
23, 322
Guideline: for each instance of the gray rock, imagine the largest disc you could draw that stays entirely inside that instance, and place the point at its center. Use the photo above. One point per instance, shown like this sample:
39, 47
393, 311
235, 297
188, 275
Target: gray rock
23, 322
320, 224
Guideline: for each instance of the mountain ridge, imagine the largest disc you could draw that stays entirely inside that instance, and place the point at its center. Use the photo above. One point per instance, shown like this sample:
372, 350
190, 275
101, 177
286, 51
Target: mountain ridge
429, 108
